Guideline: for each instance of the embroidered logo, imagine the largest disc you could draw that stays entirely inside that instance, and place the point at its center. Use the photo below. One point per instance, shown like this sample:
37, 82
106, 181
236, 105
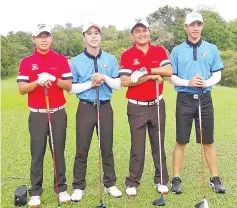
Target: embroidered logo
204, 54
34, 67
136, 62
105, 66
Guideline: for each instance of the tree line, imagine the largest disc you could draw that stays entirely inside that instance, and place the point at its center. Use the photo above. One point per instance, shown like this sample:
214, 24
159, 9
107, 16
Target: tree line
166, 26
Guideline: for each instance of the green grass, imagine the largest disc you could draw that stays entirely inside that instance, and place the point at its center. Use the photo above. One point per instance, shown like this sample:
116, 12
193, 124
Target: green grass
16, 154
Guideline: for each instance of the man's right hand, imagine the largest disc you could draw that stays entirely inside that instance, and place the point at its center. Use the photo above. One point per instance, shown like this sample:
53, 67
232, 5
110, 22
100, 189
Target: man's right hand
137, 74
44, 80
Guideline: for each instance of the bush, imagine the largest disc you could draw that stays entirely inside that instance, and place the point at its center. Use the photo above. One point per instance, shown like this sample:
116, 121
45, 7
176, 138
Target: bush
229, 75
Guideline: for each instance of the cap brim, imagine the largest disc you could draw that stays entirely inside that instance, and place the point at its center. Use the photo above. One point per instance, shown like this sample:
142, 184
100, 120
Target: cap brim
141, 24
38, 33
87, 28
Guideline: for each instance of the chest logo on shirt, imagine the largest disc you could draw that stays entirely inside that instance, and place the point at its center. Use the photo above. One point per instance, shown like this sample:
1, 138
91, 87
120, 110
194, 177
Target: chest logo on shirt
105, 66
35, 67
136, 62
204, 54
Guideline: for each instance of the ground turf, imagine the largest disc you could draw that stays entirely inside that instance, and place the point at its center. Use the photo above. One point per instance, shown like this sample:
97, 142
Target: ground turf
15, 154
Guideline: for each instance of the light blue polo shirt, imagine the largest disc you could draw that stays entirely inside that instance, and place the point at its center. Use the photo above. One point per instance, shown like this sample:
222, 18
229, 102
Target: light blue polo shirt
83, 67
189, 59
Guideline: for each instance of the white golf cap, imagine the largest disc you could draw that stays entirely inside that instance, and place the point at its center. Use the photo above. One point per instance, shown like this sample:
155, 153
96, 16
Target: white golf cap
88, 25
41, 28
192, 17
140, 22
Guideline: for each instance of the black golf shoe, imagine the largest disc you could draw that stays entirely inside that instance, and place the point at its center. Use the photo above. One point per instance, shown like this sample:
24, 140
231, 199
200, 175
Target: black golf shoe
176, 186
217, 185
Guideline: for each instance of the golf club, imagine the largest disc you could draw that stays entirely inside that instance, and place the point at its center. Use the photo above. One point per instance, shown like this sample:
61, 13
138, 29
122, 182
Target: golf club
101, 205
203, 203
52, 143
159, 201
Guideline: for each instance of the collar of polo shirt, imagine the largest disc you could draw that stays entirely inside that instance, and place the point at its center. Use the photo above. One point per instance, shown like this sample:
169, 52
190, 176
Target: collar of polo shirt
91, 56
191, 44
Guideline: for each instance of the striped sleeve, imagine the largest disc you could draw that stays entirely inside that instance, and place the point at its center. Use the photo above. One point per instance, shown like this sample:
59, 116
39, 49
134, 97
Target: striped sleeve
124, 66
164, 60
66, 71
23, 74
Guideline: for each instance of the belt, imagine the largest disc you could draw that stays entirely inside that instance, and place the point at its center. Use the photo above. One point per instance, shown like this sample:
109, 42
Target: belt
102, 102
44, 110
195, 96
148, 102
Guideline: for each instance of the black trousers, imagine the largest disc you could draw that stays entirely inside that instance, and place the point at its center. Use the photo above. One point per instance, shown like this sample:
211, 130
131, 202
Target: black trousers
140, 118
39, 130
86, 121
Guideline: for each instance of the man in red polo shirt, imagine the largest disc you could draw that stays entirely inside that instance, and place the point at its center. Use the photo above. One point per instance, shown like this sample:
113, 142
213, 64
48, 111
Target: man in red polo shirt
140, 66
45, 68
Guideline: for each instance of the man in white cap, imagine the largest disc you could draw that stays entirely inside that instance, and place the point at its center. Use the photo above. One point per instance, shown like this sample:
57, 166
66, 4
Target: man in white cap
94, 68
45, 68
197, 67
140, 66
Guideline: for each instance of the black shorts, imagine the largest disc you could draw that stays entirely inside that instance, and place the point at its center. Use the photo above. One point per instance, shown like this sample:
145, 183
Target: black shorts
187, 111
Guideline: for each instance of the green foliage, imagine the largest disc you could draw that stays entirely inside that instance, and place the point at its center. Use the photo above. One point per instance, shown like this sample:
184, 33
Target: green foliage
229, 74
167, 29
216, 30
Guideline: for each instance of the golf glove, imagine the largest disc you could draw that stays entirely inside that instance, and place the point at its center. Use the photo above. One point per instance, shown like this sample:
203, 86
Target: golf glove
45, 77
137, 74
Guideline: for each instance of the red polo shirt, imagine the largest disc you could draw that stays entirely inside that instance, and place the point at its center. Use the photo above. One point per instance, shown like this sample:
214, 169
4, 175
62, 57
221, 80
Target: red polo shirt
133, 59
52, 63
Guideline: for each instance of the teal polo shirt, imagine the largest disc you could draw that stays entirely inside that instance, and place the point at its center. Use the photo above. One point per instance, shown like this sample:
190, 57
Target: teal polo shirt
84, 65
189, 59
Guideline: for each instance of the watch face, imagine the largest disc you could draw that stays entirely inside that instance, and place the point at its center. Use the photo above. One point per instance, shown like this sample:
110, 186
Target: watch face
142, 69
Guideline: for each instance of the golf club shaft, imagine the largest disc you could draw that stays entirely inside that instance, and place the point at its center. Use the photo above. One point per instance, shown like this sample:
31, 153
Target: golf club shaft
201, 140
52, 142
99, 148
159, 135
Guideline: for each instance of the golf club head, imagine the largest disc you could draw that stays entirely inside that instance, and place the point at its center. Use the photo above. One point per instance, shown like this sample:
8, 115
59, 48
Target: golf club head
159, 201
101, 205
202, 204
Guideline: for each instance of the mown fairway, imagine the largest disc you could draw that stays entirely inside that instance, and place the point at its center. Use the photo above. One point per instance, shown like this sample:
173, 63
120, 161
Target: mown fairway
15, 158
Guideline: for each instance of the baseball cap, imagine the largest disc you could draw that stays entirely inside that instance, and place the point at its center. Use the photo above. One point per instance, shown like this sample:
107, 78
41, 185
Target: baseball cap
41, 28
140, 22
192, 17
88, 25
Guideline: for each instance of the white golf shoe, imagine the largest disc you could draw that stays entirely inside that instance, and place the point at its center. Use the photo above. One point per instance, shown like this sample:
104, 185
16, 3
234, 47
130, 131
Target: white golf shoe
162, 188
34, 202
114, 191
77, 195
131, 191
64, 197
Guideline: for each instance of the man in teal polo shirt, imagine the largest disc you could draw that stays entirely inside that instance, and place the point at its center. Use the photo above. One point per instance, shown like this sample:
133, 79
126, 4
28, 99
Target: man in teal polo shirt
196, 67
94, 68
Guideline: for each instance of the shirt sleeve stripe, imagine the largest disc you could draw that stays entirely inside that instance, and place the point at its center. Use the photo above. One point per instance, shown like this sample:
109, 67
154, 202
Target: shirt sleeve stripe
69, 74
23, 77
125, 70
165, 62
22, 80
66, 78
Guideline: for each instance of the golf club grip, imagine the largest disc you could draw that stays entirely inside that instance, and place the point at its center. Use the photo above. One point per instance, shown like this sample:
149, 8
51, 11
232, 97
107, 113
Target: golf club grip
159, 134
